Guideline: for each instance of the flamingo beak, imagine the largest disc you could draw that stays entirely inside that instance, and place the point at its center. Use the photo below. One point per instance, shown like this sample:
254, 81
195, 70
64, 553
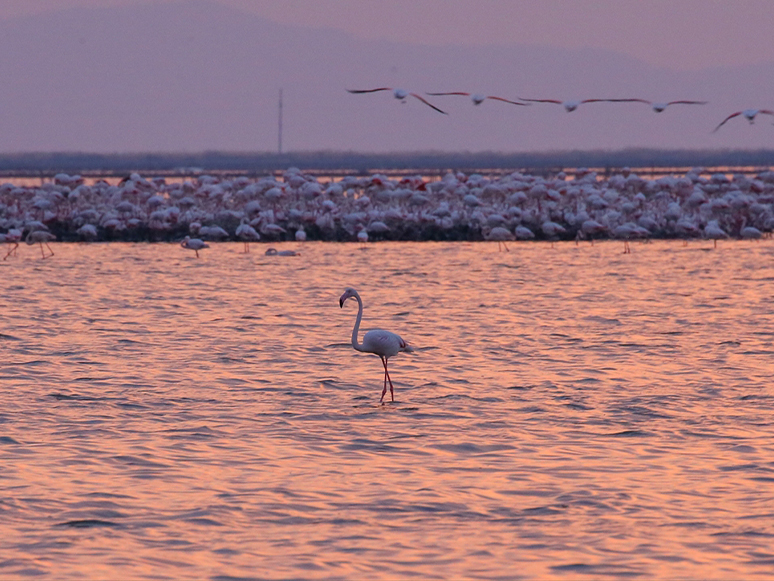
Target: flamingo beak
341, 303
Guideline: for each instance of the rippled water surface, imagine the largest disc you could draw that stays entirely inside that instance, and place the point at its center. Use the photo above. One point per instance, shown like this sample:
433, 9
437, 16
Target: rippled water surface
570, 412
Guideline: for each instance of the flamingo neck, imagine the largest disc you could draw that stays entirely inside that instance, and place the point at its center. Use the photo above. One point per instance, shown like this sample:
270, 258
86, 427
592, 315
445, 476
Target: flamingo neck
355, 344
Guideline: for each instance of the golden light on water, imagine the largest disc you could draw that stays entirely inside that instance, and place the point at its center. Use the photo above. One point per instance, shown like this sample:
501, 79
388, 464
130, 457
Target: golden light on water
570, 412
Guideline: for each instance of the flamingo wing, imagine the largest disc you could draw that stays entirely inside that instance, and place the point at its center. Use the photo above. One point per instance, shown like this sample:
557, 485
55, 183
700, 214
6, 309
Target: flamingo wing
766, 112
616, 101
687, 103
726, 119
507, 101
359, 91
541, 100
449, 93
428, 103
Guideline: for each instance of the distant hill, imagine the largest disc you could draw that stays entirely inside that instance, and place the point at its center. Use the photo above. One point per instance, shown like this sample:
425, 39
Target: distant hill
195, 76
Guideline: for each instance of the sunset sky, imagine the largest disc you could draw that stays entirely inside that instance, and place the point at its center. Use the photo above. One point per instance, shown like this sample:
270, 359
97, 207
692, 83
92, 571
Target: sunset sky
720, 51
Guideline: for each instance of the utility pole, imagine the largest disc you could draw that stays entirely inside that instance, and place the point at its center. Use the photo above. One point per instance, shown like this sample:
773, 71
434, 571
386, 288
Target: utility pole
279, 131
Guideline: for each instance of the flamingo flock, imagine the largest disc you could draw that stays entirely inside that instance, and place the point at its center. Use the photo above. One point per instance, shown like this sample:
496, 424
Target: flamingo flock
299, 206
569, 105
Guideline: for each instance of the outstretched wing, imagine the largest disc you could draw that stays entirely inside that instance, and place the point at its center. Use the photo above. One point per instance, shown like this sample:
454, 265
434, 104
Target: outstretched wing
450, 93
507, 101
726, 119
428, 103
687, 103
541, 100
359, 91
615, 101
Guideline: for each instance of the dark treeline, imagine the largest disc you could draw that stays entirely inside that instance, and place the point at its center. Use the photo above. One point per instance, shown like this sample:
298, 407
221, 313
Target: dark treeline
255, 163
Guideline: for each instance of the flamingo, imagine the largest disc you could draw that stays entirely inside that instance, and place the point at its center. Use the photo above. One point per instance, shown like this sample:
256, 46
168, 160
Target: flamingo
247, 233
13, 236
659, 107
383, 343
749, 114
714, 231
399, 94
41, 237
195, 244
501, 235
572, 105
478, 98
275, 252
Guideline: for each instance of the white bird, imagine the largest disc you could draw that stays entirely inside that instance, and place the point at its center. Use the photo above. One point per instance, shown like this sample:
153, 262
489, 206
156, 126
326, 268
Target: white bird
572, 105
195, 244
501, 235
478, 98
13, 236
399, 94
749, 114
275, 252
41, 237
659, 107
247, 234
383, 343
714, 231
301, 235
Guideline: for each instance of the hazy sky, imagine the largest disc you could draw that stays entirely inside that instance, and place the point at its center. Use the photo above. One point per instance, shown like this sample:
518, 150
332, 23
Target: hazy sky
680, 34
185, 75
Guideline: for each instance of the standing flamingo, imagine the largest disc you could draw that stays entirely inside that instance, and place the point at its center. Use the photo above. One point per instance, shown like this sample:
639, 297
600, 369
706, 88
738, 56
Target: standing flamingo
41, 237
195, 244
13, 236
399, 94
377, 341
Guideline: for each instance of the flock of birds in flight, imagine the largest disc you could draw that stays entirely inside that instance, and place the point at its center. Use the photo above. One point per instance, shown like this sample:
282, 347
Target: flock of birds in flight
569, 106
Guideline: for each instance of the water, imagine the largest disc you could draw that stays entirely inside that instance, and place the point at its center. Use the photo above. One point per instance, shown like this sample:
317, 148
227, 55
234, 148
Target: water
570, 412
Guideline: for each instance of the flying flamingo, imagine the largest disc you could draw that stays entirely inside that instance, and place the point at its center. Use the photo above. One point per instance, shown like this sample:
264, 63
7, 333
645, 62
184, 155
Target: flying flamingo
195, 244
749, 114
377, 341
571, 106
399, 94
658, 107
478, 98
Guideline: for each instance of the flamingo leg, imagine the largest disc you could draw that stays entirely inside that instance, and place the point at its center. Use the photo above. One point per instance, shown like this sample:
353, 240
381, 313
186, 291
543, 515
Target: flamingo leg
197, 253
42, 255
16, 245
49, 249
387, 374
506, 247
716, 243
247, 247
384, 391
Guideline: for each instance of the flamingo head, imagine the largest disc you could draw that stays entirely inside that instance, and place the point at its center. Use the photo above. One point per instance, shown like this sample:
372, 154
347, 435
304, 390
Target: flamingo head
349, 292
